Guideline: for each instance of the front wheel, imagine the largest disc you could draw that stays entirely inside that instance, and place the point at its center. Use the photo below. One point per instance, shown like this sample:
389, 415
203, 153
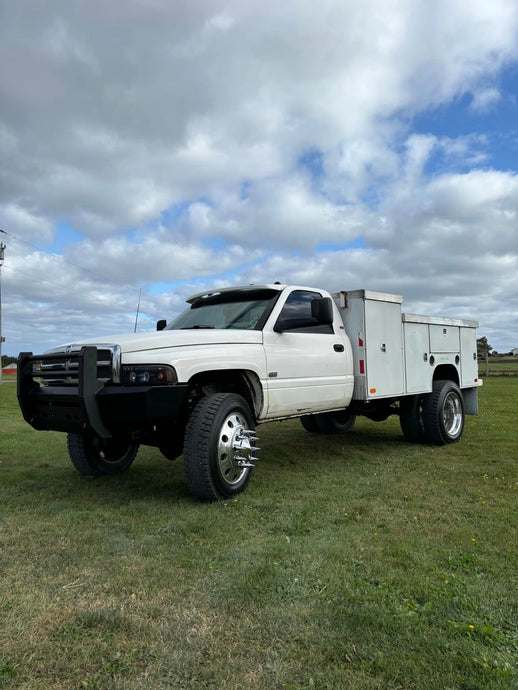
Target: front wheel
443, 413
218, 450
92, 456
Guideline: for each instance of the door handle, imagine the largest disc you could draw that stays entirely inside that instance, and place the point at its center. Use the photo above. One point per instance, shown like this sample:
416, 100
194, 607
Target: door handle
338, 347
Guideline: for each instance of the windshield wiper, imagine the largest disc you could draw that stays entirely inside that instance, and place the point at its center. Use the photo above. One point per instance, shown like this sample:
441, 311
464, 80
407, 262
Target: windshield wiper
188, 328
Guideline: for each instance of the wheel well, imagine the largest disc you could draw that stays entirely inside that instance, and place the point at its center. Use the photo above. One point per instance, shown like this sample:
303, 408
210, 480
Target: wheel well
446, 372
242, 382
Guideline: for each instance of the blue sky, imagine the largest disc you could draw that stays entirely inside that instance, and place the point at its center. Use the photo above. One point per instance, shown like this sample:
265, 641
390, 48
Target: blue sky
63, 237
216, 148
497, 123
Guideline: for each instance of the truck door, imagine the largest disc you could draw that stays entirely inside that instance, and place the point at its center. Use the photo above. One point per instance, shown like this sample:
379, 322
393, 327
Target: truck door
309, 369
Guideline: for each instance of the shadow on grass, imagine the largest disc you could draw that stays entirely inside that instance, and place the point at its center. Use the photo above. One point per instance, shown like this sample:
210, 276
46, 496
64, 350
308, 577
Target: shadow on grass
299, 446
62, 483
285, 447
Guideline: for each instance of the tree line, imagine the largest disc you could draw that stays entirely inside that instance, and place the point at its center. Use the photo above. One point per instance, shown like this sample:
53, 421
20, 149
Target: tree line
6, 359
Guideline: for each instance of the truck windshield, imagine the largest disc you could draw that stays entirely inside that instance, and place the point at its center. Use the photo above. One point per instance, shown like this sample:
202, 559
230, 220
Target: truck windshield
245, 310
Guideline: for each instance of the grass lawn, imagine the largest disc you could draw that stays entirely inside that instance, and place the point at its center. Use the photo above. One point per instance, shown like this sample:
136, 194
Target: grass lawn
359, 561
499, 366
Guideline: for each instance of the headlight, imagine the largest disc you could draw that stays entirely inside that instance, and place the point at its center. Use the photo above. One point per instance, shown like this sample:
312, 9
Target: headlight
148, 375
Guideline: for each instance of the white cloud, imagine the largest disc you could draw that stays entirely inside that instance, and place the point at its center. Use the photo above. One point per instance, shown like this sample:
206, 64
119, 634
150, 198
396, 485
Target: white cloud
171, 137
21, 220
485, 99
279, 213
157, 258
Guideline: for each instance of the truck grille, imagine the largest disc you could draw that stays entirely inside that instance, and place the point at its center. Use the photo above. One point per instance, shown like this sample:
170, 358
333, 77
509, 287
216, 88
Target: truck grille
60, 367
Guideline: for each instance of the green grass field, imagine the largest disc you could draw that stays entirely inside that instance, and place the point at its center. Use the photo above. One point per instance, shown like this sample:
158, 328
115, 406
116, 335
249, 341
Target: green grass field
359, 561
499, 366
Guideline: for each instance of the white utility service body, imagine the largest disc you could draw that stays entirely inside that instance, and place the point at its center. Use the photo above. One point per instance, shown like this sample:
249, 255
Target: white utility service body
396, 354
241, 356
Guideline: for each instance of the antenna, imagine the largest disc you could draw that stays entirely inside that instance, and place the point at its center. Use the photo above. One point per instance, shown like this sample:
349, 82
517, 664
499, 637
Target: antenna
138, 309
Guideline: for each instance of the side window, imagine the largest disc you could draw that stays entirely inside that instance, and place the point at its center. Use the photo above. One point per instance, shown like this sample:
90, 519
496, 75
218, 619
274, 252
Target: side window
298, 306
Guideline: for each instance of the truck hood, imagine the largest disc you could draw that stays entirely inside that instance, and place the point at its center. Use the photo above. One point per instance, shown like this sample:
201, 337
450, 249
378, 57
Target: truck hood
136, 342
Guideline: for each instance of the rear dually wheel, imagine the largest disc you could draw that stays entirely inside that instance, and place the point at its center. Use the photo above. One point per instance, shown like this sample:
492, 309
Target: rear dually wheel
411, 418
443, 413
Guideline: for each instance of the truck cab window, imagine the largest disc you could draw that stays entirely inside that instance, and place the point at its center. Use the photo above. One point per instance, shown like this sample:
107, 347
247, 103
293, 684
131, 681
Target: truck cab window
298, 306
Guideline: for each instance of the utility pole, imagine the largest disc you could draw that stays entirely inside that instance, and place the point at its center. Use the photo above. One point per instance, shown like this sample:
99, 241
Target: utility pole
2, 250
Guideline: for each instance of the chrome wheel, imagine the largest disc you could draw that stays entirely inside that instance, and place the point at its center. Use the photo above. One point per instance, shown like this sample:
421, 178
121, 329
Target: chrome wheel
235, 449
219, 451
443, 413
452, 414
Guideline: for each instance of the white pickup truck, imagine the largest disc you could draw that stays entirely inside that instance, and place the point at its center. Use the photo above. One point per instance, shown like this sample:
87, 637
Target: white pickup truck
241, 356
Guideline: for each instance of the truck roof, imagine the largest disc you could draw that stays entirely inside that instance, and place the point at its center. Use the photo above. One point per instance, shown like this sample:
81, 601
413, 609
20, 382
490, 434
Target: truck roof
236, 288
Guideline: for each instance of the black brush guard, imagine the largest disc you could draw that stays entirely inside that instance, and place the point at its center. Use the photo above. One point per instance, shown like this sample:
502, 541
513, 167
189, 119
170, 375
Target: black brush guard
71, 398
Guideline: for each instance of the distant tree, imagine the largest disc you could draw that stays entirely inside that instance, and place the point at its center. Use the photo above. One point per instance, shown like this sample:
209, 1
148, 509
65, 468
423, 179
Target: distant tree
8, 360
483, 347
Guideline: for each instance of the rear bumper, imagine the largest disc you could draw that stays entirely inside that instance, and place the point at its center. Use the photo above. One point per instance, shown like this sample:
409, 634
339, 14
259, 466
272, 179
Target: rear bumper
90, 405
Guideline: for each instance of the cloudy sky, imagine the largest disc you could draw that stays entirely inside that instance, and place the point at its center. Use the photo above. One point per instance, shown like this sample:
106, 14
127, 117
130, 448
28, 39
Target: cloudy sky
169, 147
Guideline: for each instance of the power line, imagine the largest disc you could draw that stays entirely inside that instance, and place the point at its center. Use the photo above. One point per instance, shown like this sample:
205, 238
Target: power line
46, 282
62, 258
86, 270
76, 292
39, 280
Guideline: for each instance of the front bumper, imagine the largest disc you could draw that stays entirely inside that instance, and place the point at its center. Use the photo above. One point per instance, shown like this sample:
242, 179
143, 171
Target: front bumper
92, 405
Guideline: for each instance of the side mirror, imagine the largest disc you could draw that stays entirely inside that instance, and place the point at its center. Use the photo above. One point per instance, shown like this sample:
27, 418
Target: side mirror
292, 324
160, 325
321, 315
322, 310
